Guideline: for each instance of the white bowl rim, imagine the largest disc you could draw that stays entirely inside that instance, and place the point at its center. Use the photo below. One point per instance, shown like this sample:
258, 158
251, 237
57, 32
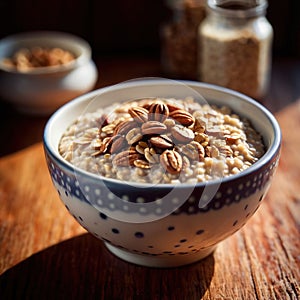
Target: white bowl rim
268, 155
77, 42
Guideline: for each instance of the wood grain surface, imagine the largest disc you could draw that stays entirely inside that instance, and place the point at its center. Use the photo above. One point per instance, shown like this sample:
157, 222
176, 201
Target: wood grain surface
45, 254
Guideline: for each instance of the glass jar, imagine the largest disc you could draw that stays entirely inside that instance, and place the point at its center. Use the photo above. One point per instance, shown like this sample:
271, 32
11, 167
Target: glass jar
235, 45
179, 38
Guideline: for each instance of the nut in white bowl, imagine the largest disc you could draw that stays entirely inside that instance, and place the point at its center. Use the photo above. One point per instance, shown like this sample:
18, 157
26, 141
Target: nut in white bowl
42, 90
162, 224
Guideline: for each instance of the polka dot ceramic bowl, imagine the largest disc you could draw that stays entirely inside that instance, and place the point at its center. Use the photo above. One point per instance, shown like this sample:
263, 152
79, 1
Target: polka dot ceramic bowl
162, 225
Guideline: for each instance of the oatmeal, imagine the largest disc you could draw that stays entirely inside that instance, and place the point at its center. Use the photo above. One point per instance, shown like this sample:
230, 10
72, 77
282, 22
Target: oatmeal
162, 141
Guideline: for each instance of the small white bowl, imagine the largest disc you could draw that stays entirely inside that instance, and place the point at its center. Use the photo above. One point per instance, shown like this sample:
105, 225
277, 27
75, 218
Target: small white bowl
162, 225
45, 89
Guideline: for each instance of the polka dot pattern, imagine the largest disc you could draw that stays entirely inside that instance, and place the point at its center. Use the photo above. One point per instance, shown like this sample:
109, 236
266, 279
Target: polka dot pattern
154, 251
115, 198
182, 245
176, 249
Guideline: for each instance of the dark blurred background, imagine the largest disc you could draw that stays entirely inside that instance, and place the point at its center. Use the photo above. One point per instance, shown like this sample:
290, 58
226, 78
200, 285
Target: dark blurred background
128, 27
125, 41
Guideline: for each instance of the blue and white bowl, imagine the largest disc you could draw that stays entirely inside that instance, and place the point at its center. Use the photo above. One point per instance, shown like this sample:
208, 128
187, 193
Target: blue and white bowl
162, 225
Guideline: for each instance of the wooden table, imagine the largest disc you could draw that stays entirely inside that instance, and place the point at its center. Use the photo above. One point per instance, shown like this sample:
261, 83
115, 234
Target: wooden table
45, 254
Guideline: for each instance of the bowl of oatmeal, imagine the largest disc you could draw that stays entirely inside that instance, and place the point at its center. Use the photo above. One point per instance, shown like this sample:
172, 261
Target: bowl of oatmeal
42, 70
162, 171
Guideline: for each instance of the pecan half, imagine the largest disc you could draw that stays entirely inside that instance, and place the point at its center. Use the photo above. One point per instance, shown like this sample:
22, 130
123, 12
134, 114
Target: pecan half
161, 141
96, 144
106, 143
108, 129
158, 112
133, 136
111, 144
171, 161
182, 134
139, 114
125, 126
141, 146
174, 106
169, 123
153, 127
194, 151
212, 151
151, 156
117, 143
142, 164
183, 117
126, 158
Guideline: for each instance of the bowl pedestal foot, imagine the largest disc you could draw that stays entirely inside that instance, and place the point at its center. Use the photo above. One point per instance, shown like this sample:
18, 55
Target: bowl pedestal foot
160, 261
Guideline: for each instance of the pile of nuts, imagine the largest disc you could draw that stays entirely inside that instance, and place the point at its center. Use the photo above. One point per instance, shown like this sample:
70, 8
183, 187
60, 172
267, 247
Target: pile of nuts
155, 132
152, 135
27, 59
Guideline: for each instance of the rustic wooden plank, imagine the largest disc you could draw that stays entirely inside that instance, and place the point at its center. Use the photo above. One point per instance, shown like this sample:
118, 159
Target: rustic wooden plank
31, 216
45, 254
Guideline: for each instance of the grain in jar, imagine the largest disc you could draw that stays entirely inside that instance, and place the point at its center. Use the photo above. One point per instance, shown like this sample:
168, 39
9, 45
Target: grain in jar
179, 38
235, 42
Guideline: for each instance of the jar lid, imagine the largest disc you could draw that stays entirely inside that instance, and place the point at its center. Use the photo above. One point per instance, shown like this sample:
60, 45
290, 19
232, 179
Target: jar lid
239, 8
